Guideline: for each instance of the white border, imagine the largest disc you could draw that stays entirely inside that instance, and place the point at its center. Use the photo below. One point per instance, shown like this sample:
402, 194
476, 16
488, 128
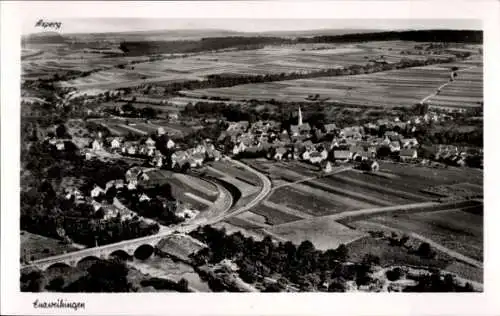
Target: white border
13, 302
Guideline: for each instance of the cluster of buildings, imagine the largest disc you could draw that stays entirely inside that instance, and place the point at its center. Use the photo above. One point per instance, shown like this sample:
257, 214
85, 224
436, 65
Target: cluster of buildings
353, 143
148, 148
95, 200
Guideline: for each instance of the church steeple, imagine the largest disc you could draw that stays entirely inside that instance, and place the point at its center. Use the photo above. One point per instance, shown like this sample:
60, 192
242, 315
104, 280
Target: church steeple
300, 117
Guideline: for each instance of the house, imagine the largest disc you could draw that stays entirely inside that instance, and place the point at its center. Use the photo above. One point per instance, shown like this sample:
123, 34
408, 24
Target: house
96, 191
119, 184
394, 146
170, 144
240, 147
173, 116
326, 166
96, 145
342, 155
186, 213
178, 158
160, 131
115, 143
144, 197
279, 152
132, 150
96, 206
197, 160
330, 128
150, 142
316, 157
354, 132
409, 142
238, 127
408, 154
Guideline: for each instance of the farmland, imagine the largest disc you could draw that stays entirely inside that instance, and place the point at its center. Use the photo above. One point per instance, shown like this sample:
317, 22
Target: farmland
119, 126
403, 87
458, 230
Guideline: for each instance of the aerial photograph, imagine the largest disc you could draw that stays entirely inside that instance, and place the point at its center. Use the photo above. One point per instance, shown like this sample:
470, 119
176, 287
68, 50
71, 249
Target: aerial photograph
224, 155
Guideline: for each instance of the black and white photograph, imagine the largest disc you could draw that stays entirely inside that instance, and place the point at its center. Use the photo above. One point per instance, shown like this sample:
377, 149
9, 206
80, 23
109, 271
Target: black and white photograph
174, 155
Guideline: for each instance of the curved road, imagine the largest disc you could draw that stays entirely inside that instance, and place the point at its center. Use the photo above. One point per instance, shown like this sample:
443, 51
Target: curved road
222, 206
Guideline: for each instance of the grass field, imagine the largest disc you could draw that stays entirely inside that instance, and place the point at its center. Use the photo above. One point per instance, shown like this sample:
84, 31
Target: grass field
455, 229
315, 205
274, 214
35, 247
323, 234
118, 127
391, 255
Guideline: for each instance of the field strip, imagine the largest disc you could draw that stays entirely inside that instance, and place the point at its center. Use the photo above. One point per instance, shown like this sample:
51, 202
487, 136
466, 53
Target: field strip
435, 245
443, 85
220, 173
311, 178
379, 188
198, 199
195, 185
286, 209
133, 129
345, 201
113, 130
348, 193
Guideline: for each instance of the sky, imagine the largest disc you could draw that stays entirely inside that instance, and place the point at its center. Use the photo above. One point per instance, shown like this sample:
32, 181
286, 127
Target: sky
97, 25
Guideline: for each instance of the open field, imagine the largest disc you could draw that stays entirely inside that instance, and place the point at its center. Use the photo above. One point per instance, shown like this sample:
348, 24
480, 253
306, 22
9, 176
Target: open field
465, 91
118, 126
296, 58
180, 246
307, 202
323, 234
198, 193
35, 247
391, 255
458, 230
237, 172
404, 87
276, 214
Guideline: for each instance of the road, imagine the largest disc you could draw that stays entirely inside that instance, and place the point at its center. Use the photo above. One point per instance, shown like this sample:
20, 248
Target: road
221, 208
264, 192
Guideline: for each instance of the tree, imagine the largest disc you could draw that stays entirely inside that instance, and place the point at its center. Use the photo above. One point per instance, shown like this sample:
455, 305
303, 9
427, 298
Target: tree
337, 285
183, 285
61, 131
56, 284
424, 250
110, 194
394, 274
31, 282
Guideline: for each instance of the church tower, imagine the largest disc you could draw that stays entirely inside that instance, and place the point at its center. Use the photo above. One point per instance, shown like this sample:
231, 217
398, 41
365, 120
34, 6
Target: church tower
300, 117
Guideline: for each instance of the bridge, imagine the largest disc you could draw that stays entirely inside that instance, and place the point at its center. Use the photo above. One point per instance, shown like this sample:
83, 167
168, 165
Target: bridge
220, 210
